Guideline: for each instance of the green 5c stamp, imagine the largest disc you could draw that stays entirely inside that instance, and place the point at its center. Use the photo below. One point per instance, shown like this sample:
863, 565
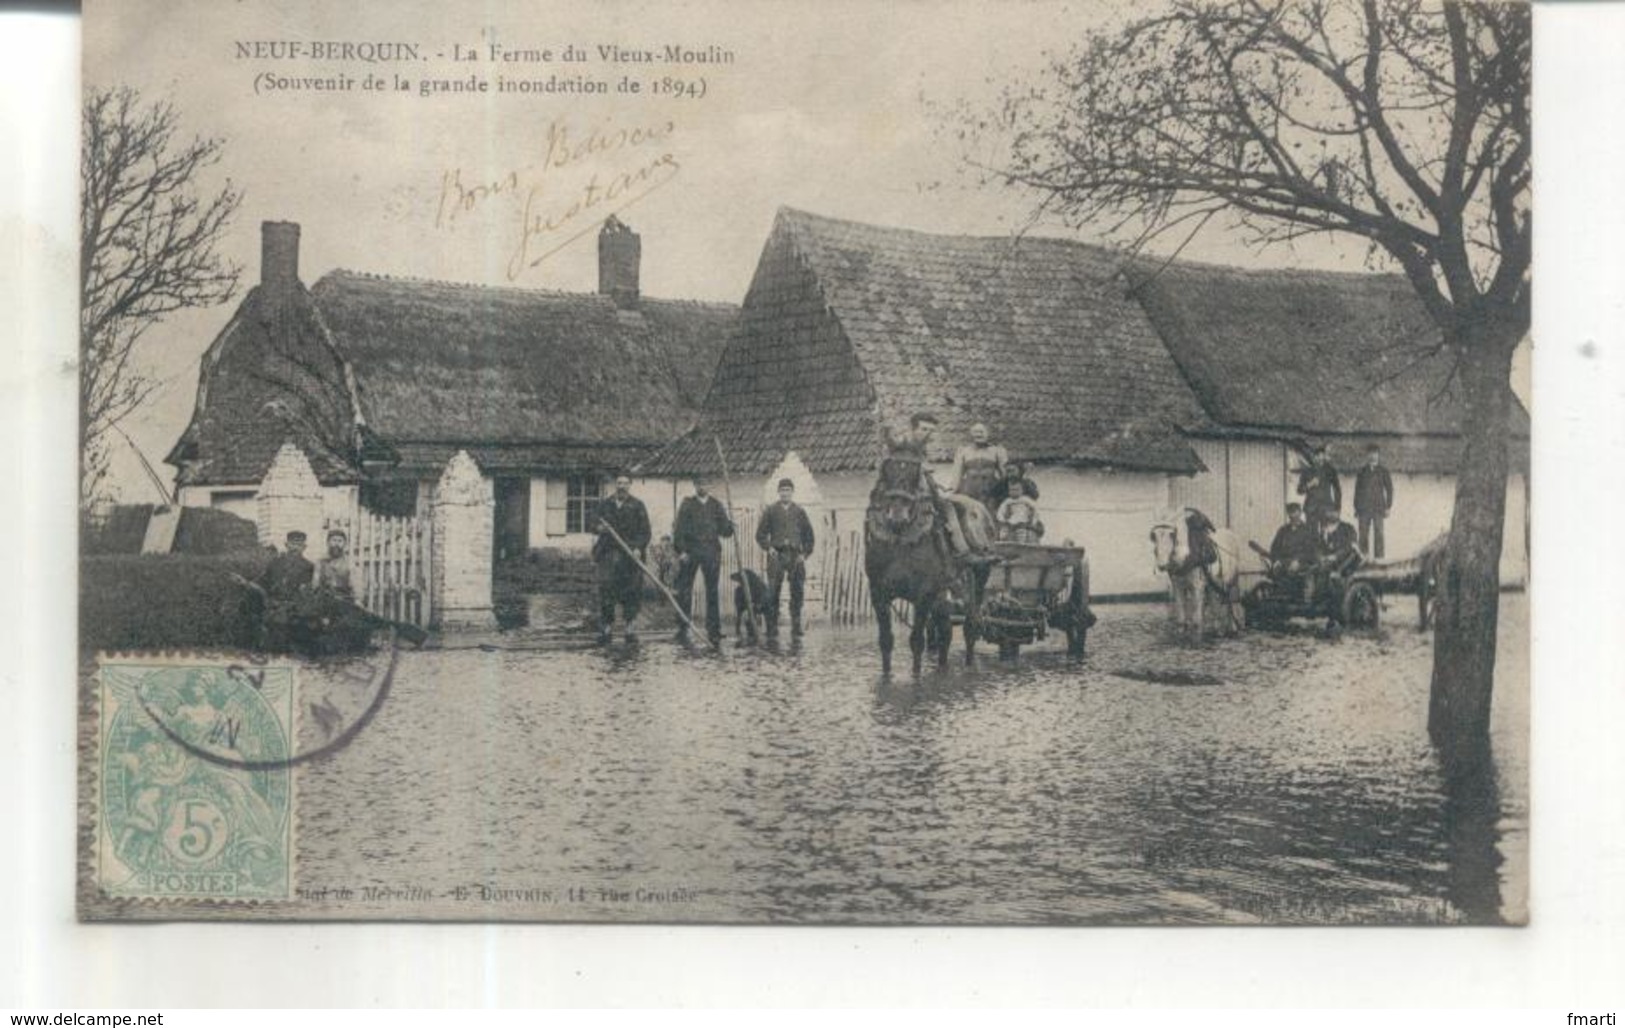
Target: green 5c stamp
196, 780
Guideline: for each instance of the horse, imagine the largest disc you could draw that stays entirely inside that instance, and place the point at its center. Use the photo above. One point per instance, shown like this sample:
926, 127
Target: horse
907, 557
1189, 585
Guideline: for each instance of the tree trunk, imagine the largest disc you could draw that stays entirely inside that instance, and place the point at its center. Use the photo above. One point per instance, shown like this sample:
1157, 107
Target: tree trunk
1469, 578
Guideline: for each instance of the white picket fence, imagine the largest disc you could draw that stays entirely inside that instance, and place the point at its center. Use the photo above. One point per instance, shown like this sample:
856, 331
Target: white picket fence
390, 564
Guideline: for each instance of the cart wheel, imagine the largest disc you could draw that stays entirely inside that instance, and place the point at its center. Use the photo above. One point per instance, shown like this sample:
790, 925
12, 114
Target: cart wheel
1008, 651
1253, 607
1362, 607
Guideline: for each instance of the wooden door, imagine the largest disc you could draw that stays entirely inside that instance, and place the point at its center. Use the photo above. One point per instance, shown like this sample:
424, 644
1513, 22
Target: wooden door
511, 519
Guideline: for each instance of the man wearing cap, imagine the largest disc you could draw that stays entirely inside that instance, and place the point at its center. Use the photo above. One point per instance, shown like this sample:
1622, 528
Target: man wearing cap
697, 536
1373, 499
1320, 487
284, 580
786, 533
1295, 549
289, 572
1339, 548
619, 577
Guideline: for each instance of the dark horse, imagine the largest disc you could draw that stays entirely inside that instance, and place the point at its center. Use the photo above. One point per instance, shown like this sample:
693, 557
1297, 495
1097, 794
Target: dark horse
907, 557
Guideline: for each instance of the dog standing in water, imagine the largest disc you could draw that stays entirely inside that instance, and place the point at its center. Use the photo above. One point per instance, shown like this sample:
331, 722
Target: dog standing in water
758, 601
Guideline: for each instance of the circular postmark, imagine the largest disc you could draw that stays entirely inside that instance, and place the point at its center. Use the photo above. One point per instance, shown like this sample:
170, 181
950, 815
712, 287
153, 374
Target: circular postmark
335, 702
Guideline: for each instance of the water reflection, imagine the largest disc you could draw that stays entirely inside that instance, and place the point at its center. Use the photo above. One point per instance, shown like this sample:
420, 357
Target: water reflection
797, 784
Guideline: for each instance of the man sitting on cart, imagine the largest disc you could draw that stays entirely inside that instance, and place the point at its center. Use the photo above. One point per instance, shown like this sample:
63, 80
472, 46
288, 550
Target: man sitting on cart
1294, 551
964, 518
1339, 551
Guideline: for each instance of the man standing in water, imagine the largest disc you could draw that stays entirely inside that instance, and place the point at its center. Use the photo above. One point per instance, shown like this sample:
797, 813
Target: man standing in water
786, 533
697, 536
619, 580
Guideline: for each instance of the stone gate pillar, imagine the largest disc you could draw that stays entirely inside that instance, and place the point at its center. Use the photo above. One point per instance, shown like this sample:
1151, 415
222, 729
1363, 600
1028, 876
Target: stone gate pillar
462, 512
290, 498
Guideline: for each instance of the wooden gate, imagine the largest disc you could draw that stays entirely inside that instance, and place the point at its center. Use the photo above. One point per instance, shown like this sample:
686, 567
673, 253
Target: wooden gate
390, 564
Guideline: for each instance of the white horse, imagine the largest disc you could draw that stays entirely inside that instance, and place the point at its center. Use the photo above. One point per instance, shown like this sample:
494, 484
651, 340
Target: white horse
1188, 589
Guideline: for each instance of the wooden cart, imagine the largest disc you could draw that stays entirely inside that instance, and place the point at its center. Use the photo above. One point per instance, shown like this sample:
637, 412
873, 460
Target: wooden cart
1028, 591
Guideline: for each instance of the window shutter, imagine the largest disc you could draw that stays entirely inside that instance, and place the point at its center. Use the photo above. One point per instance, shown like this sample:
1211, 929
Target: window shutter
557, 494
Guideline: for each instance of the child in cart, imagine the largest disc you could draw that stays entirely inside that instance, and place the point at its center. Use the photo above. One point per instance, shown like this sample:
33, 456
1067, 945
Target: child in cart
1018, 520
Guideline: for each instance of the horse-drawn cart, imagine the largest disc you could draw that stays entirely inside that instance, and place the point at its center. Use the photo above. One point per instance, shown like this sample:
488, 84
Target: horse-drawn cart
1411, 576
1353, 599
1029, 590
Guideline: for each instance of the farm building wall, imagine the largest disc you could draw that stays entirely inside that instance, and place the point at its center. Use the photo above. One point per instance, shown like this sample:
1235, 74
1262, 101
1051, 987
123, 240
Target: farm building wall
549, 527
1245, 489
1422, 506
1108, 513
1249, 482
338, 501
238, 500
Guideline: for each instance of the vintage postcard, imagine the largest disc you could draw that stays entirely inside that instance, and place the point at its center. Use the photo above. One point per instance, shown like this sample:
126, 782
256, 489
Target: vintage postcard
884, 463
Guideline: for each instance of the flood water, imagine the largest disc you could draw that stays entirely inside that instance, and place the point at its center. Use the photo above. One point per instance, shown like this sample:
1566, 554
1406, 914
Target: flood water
1271, 778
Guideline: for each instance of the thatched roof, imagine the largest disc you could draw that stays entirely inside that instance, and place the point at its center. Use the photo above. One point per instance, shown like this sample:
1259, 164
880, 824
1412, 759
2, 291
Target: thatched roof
849, 326
1313, 353
271, 376
527, 373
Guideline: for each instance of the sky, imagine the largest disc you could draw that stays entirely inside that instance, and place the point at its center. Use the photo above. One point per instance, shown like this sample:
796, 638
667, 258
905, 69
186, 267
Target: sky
825, 107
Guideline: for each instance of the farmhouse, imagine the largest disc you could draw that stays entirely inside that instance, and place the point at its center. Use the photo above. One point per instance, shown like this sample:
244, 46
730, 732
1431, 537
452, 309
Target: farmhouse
381, 381
1279, 358
850, 328
1128, 389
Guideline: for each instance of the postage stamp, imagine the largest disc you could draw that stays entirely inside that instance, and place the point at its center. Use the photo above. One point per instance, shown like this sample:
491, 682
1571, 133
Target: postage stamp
196, 782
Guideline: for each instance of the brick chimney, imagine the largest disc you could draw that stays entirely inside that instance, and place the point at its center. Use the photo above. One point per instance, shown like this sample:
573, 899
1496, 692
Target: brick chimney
620, 251
279, 254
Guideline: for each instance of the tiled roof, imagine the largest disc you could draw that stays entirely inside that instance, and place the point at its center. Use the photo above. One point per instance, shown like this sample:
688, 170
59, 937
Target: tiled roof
848, 327
1311, 352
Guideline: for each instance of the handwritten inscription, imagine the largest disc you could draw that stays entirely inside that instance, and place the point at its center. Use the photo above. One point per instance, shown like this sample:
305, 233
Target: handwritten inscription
583, 176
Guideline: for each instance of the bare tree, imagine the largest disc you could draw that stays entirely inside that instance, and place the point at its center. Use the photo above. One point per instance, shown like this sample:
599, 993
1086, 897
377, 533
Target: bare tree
1402, 122
147, 249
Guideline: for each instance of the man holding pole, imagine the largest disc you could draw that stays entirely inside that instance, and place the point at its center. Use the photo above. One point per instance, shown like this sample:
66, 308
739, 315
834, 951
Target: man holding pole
702, 523
622, 523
